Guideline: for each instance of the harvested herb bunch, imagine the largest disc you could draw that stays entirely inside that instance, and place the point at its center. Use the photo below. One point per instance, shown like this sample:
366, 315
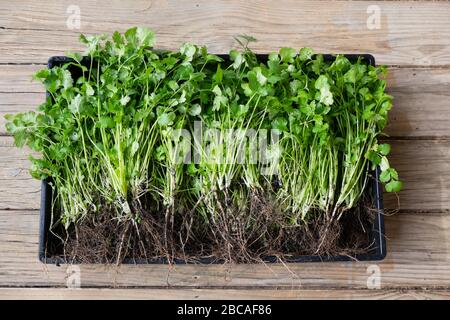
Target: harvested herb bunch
118, 139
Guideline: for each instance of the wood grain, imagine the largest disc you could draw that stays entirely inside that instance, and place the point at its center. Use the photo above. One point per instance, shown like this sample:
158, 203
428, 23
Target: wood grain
418, 256
19, 79
212, 294
421, 108
413, 38
18, 189
408, 33
421, 102
417, 162
424, 167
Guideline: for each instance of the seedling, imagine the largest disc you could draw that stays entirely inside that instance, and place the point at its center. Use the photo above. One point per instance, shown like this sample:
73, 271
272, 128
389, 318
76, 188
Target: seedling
109, 136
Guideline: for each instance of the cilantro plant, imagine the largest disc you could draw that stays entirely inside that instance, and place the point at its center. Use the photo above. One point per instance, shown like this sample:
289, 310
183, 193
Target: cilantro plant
109, 134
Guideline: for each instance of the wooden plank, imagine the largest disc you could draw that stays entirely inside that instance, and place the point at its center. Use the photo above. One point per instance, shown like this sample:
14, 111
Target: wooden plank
15, 102
424, 167
18, 189
417, 161
418, 243
18, 91
421, 102
421, 105
32, 31
212, 294
19, 79
418, 257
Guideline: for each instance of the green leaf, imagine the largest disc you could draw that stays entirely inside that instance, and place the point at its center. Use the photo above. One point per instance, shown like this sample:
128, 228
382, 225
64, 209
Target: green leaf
130, 35
326, 97
373, 157
368, 114
195, 110
191, 169
106, 122
384, 149
393, 173
237, 58
42, 74
75, 104
173, 85
75, 56
394, 186
134, 147
365, 92
385, 176
287, 54
274, 79
218, 102
124, 100
274, 57
67, 79
259, 76
117, 38
166, 119
20, 138
306, 54
295, 85
246, 88
145, 36
219, 74
213, 57
253, 80
322, 82
384, 164
355, 73
280, 124
317, 64
188, 50
350, 76
240, 110
89, 90
216, 90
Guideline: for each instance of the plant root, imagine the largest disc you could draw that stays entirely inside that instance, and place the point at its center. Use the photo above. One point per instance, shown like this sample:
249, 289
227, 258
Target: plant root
247, 232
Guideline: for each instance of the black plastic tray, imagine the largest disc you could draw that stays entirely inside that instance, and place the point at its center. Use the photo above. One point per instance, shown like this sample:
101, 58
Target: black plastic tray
48, 241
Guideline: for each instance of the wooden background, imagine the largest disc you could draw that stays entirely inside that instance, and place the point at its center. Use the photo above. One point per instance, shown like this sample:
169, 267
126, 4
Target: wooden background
413, 39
